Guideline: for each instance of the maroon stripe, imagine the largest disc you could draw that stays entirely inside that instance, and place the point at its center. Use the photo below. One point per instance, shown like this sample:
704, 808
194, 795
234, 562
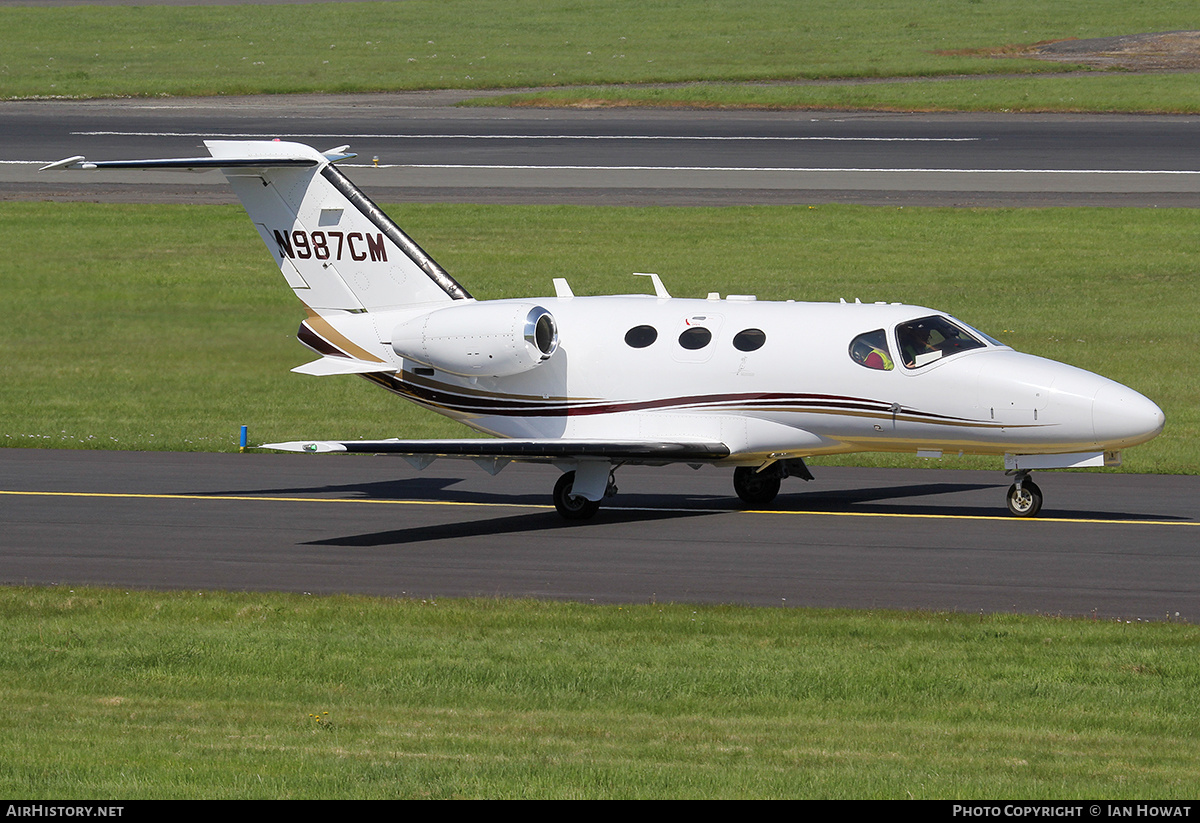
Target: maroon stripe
317, 343
531, 408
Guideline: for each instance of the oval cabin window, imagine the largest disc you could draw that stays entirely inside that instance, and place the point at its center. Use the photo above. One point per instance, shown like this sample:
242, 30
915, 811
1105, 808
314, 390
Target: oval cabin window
696, 337
639, 337
749, 339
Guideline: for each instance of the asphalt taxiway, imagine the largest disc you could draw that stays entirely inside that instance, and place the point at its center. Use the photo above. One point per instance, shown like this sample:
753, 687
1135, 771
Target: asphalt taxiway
1108, 545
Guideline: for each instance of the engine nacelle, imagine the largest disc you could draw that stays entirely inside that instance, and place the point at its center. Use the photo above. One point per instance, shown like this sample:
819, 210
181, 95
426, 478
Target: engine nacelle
486, 339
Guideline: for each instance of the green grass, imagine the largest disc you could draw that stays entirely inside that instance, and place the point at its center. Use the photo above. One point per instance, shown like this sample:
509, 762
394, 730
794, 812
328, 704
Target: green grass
1127, 93
122, 695
168, 327
421, 44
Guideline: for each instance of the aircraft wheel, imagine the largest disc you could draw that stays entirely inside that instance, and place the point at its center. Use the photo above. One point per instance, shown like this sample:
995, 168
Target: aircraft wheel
1025, 501
571, 506
754, 488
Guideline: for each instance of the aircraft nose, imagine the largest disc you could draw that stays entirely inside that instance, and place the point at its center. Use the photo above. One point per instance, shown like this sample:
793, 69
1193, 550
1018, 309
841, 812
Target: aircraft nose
1122, 417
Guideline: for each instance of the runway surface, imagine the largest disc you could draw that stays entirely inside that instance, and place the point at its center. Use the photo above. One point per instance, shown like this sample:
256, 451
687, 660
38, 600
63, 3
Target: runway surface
1109, 545
416, 146
1112, 545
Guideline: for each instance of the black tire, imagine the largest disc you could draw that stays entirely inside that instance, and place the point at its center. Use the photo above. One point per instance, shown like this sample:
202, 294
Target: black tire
755, 488
570, 506
1026, 501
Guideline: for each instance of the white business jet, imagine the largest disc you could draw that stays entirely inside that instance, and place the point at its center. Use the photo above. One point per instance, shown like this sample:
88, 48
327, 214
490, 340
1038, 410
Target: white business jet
590, 384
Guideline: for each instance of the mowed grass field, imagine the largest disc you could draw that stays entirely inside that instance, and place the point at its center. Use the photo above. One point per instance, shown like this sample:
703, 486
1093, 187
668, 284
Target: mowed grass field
81, 51
169, 327
1083, 92
115, 695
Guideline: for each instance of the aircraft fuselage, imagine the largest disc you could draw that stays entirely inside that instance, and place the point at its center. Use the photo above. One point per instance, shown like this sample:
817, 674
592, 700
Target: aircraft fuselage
777, 378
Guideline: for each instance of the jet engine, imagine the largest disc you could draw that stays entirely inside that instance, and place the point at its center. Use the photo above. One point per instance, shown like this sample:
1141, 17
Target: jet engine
486, 339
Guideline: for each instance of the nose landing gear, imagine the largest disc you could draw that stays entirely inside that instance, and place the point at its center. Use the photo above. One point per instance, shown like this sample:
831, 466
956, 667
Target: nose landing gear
1024, 496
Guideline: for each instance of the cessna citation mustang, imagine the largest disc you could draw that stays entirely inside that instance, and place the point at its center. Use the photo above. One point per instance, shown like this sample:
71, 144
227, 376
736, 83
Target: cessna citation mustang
590, 384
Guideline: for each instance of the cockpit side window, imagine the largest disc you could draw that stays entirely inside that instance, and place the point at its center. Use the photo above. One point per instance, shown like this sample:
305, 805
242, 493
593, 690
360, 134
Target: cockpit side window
870, 349
929, 339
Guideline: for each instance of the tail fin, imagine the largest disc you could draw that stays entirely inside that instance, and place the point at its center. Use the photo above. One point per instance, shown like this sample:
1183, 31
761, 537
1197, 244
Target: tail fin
336, 249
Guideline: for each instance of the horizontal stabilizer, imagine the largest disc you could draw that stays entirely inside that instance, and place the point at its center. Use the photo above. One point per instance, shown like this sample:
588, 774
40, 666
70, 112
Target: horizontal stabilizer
529, 450
256, 154
343, 365
186, 163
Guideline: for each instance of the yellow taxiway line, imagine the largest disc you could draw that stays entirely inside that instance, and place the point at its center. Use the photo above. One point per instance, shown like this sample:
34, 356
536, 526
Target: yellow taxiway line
777, 512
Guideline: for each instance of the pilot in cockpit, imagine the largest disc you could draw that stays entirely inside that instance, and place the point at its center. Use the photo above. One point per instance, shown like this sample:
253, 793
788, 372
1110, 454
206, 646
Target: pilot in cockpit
914, 342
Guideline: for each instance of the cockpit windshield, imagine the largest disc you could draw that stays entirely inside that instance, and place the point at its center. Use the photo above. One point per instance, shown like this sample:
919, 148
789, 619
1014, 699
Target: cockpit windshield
929, 339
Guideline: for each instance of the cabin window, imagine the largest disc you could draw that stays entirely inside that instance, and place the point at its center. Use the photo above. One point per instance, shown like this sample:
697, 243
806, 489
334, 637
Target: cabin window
749, 339
870, 349
929, 339
695, 337
639, 337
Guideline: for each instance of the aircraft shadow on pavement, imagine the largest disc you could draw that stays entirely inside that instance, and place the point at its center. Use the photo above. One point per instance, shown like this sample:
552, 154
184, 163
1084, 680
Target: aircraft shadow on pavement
641, 506
441, 490
893, 500
433, 489
509, 524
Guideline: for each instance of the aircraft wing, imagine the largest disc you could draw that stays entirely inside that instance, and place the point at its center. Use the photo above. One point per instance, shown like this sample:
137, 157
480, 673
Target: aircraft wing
540, 450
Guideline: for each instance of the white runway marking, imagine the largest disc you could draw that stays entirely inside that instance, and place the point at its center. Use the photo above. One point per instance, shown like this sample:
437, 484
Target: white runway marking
765, 168
372, 136
797, 169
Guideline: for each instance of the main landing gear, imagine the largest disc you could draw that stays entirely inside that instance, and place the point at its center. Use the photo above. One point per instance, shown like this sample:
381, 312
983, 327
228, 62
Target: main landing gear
577, 507
1024, 496
757, 486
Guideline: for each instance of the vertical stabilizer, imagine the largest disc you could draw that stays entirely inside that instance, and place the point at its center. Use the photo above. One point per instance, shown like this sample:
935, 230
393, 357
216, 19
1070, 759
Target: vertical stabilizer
334, 246
337, 250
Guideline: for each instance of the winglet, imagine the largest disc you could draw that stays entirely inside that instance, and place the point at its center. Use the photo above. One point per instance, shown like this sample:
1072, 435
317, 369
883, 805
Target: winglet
76, 162
339, 154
